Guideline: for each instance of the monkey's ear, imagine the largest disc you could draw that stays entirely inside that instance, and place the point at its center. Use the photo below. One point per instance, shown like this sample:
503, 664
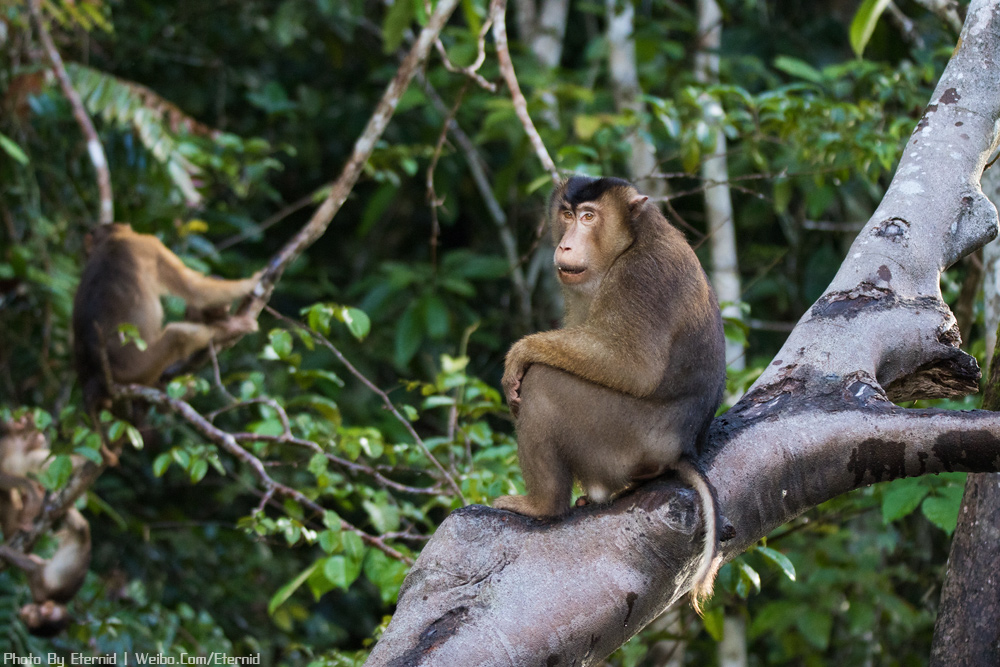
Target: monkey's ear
635, 204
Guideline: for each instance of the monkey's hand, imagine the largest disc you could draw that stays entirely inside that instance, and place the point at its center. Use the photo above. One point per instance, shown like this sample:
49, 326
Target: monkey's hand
514, 369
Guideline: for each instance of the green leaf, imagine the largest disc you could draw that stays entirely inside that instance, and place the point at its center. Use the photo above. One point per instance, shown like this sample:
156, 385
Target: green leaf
901, 497
340, 571
357, 321
748, 577
539, 182
332, 521
384, 517
319, 317
798, 68
436, 317
128, 333
586, 126
12, 149
942, 510
409, 336
863, 24
773, 617
161, 464
58, 472
713, 621
397, 20
281, 342
286, 591
353, 546
779, 559
198, 470
815, 626
329, 541
386, 573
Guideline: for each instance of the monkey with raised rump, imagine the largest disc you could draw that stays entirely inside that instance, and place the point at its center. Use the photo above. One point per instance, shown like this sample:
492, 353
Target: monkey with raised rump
626, 390
122, 282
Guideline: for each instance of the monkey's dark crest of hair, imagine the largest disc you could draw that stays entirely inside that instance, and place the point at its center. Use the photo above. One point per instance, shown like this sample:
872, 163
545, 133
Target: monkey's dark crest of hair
580, 189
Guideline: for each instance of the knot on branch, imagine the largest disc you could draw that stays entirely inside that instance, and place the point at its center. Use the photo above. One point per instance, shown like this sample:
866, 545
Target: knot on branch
866, 297
954, 373
893, 229
974, 225
861, 390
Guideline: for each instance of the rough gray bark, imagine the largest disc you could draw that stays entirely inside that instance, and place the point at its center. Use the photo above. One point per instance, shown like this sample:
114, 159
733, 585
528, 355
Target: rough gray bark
494, 588
967, 630
966, 633
991, 268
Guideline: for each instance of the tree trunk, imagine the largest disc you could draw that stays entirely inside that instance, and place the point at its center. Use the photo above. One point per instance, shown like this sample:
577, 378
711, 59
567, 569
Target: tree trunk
495, 588
721, 227
967, 630
991, 268
547, 42
733, 647
625, 82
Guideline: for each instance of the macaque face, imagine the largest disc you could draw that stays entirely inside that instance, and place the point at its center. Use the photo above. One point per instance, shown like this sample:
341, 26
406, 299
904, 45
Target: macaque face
591, 235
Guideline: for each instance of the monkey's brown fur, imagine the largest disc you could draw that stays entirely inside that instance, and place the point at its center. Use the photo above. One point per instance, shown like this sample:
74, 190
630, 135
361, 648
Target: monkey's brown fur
53, 582
627, 389
23, 451
125, 276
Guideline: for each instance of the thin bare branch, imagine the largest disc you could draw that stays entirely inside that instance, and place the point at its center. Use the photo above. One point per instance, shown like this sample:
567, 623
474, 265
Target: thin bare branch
471, 71
228, 443
106, 211
336, 460
498, 11
363, 148
390, 406
477, 168
286, 211
432, 197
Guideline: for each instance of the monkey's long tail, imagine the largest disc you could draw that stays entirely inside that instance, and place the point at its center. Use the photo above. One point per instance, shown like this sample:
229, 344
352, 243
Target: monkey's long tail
704, 577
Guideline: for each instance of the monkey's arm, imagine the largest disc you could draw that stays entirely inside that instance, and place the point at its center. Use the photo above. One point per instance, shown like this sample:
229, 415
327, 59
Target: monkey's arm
197, 290
578, 350
15, 483
30, 563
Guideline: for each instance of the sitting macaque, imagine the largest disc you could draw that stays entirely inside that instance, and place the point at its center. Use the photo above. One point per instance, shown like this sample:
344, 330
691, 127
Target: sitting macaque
125, 276
626, 390
24, 453
55, 581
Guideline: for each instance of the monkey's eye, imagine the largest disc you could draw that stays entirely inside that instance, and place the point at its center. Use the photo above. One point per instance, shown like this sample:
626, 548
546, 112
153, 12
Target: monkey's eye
567, 213
588, 216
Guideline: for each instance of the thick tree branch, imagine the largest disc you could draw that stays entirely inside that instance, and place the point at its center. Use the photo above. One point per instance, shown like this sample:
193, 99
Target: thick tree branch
494, 588
106, 211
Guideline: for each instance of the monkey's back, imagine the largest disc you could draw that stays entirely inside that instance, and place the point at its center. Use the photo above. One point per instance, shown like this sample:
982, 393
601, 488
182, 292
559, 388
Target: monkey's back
658, 300
110, 293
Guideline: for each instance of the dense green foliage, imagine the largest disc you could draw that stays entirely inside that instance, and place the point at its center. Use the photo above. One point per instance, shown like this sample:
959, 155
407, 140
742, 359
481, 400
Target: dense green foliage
217, 116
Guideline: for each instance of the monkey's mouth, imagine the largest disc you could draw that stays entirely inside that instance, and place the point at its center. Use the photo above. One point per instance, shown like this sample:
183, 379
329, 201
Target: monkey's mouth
570, 274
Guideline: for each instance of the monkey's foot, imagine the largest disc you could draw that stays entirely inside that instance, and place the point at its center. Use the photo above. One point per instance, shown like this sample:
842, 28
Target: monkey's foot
523, 505
236, 326
582, 501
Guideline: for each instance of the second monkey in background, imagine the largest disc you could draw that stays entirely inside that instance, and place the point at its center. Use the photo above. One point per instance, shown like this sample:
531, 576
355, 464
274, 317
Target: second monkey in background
626, 390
